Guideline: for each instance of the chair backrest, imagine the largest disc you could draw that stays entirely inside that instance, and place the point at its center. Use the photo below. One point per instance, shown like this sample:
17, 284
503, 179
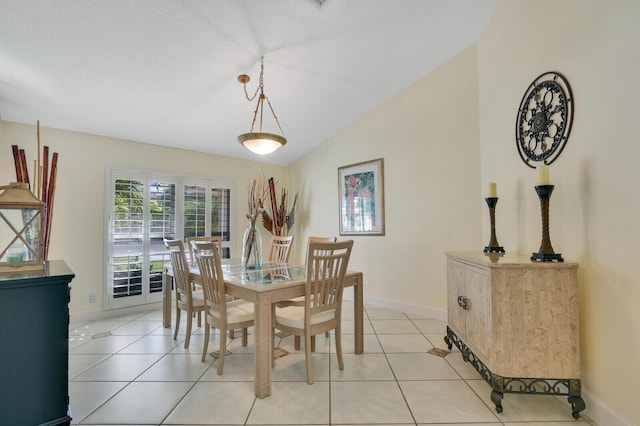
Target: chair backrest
216, 240
318, 240
180, 270
280, 248
208, 258
327, 267
322, 240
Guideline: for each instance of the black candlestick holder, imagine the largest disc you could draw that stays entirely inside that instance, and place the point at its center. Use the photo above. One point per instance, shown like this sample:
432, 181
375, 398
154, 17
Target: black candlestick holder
546, 253
493, 246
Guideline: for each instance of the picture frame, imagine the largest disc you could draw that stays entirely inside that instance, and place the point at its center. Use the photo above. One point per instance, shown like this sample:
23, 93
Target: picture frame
361, 192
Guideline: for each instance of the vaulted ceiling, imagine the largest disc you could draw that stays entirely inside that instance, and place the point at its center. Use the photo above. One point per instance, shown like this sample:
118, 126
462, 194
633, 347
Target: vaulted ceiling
165, 71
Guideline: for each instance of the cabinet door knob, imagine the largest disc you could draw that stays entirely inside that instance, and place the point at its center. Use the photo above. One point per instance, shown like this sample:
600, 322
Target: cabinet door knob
463, 302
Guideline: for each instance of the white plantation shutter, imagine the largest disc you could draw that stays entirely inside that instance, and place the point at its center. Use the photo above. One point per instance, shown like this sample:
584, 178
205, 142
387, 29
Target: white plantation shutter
207, 209
144, 209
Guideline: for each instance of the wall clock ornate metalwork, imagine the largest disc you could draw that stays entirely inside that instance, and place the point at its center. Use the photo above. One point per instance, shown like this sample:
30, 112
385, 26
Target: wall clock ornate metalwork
544, 119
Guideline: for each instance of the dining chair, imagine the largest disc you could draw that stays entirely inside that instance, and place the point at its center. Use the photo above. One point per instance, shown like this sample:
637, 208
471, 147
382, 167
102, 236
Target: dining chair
280, 248
187, 299
216, 240
219, 312
192, 260
312, 239
322, 308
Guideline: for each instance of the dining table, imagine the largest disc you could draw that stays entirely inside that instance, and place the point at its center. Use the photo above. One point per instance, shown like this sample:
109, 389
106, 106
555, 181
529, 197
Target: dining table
273, 282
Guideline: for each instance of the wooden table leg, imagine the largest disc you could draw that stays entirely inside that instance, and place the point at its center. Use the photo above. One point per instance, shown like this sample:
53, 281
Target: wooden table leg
167, 285
358, 312
264, 352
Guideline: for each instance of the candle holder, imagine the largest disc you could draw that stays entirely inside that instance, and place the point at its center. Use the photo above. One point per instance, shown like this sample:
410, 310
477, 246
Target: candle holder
493, 246
546, 253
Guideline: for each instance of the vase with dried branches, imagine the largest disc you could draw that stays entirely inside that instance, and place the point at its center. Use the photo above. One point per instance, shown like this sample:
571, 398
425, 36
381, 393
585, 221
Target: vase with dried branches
281, 219
43, 184
252, 241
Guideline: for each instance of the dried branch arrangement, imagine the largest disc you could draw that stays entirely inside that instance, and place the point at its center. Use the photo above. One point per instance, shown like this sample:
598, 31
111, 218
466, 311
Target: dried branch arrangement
256, 191
44, 185
281, 219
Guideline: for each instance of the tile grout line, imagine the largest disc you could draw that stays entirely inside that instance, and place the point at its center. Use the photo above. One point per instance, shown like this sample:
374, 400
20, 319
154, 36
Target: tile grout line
404, 398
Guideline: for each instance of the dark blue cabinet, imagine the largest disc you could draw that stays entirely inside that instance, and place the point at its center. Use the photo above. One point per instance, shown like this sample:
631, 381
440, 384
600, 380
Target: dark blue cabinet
34, 346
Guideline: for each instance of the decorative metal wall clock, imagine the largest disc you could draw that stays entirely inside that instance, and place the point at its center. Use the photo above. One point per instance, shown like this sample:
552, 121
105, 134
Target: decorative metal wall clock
544, 119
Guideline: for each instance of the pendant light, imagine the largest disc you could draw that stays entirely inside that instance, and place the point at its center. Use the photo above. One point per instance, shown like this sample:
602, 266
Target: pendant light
260, 142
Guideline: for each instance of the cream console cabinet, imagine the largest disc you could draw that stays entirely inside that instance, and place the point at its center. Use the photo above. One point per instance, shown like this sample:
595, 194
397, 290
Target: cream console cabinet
516, 322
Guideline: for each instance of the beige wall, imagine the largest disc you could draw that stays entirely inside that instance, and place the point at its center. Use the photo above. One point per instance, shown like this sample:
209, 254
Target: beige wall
428, 137
595, 204
443, 139
78, 233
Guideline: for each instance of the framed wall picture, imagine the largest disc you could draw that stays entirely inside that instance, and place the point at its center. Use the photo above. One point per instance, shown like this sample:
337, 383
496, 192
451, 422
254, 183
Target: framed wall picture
361, 191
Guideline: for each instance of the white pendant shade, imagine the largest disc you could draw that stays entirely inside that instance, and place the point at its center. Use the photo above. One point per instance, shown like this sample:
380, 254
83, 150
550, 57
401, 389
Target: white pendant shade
261, 143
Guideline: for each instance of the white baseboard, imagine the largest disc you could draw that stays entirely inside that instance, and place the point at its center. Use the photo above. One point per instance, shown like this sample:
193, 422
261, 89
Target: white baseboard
600, 414
82, 317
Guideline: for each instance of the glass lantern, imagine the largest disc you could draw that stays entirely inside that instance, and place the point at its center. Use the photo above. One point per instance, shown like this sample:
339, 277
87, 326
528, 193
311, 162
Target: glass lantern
21, 229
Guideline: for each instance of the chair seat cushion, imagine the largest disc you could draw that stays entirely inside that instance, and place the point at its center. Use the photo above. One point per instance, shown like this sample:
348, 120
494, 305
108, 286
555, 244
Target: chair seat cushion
293, 316
237, 311
197, 297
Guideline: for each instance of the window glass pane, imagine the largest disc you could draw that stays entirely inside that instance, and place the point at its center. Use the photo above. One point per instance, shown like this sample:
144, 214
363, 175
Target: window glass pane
127, 233
162, 206
127, 276
156, 262
194, 211
220, 217
220, 212
127, 211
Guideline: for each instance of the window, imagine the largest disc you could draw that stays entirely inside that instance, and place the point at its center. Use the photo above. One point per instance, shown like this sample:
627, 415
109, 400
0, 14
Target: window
208, 215
144, 209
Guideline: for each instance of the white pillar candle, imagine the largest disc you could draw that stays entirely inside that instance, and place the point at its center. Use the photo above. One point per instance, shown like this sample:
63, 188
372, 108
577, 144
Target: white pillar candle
493, 191
543, 174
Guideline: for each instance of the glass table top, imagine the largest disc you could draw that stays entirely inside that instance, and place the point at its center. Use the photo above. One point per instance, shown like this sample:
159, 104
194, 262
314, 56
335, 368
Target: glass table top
232, 266
278, 274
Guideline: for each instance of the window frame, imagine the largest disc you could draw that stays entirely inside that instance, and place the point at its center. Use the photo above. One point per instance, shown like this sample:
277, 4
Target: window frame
147, 177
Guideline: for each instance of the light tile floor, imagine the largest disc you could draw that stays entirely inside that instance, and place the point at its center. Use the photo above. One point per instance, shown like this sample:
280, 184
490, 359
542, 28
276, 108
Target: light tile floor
129, 371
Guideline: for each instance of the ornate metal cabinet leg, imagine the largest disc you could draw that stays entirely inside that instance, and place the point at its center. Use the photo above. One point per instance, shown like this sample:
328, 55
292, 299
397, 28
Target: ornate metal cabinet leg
496, 398
577, 405
497, 384
448, 342
576, 401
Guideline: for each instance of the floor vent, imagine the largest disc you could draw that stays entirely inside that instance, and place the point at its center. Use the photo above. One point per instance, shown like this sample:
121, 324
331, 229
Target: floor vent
216, 354
279, 353
439, 352
100, 335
